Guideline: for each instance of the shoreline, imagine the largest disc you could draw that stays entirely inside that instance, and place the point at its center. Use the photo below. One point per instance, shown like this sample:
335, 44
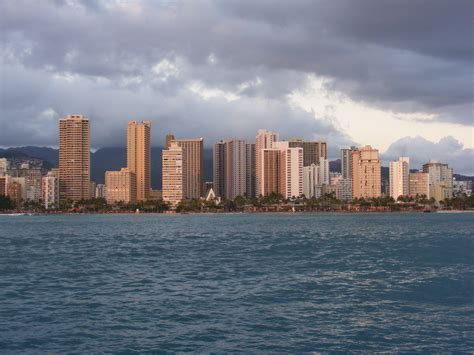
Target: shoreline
34, 213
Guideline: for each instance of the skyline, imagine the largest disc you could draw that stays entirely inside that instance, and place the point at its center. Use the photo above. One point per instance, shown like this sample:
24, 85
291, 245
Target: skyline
391, 81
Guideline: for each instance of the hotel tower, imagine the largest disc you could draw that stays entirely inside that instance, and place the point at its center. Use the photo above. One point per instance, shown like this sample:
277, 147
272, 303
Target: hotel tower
139, 156
264, 140
74, 158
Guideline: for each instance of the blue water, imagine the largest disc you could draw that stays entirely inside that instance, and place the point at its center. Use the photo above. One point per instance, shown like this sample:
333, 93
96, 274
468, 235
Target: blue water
280, 282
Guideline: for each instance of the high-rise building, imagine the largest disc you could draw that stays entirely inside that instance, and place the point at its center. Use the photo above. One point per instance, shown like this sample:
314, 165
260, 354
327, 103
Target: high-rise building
219, 168
230, 168
440, 179
3, 185
50, 190
346, 162
310, 180
74, 158
291, 169
169, 138
250, 170
399, 181
263, 140
4, 165
235, 168
121, 186
270, 165
32, 177
366, 173
139, 156
419, 184
174, 177
194, 166
16, 189
100, 191
313, 151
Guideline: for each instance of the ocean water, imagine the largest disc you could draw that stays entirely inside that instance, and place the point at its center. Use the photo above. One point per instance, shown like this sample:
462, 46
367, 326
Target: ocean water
241, 282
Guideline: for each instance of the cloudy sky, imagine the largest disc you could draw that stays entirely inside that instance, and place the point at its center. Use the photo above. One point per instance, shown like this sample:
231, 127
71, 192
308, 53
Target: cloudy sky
394, 74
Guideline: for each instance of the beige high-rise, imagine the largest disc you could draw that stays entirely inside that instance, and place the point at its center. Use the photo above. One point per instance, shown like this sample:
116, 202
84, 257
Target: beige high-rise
74, 158
263, 140
366, 173
419, 184
270, 177
174, 179
139, 156
194, 166
121, 186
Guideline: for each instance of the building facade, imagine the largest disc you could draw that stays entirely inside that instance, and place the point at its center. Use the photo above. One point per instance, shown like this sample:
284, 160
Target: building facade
50, 190
366, 173
250, 170
440, 179
270, 171
291, 169
74, 158
193, 170
313, 151
346, 162
263, 140
139, 156
399, 180
121, 186
174, 174
419, 184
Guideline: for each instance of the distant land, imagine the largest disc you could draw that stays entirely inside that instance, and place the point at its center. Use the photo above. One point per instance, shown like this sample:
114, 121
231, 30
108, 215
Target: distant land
114, 158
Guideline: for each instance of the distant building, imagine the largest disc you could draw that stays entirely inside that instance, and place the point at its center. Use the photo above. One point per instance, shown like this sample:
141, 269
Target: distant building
32, 177
100, 191
121, 186
139, 156
313, 151
440, 179
366, 173
174, 177
50, 190
93, 187
250, 170
74, 158
316, 179
3, 185
310, 180
193, 170
219, 168
4, 165
263, 140
462, 188
419, 184
399, 182
16, 189
346, 162
230, 168
345, 189
291, 169
156, 195
270, 164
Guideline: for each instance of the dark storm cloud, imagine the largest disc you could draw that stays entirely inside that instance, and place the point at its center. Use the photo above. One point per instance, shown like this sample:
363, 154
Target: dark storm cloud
100, 57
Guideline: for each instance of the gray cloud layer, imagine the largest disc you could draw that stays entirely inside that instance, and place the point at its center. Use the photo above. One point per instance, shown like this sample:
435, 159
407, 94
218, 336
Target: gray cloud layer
62, 57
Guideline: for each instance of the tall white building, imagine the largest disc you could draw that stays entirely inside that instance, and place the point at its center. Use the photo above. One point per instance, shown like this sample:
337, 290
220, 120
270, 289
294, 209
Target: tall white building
291, 169
399, 177
50, 190
174, 175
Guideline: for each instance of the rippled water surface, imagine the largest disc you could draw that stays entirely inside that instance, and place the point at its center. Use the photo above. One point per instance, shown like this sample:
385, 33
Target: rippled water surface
313, 282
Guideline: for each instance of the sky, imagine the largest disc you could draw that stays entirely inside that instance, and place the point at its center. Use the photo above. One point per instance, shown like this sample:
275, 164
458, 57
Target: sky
398, 75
